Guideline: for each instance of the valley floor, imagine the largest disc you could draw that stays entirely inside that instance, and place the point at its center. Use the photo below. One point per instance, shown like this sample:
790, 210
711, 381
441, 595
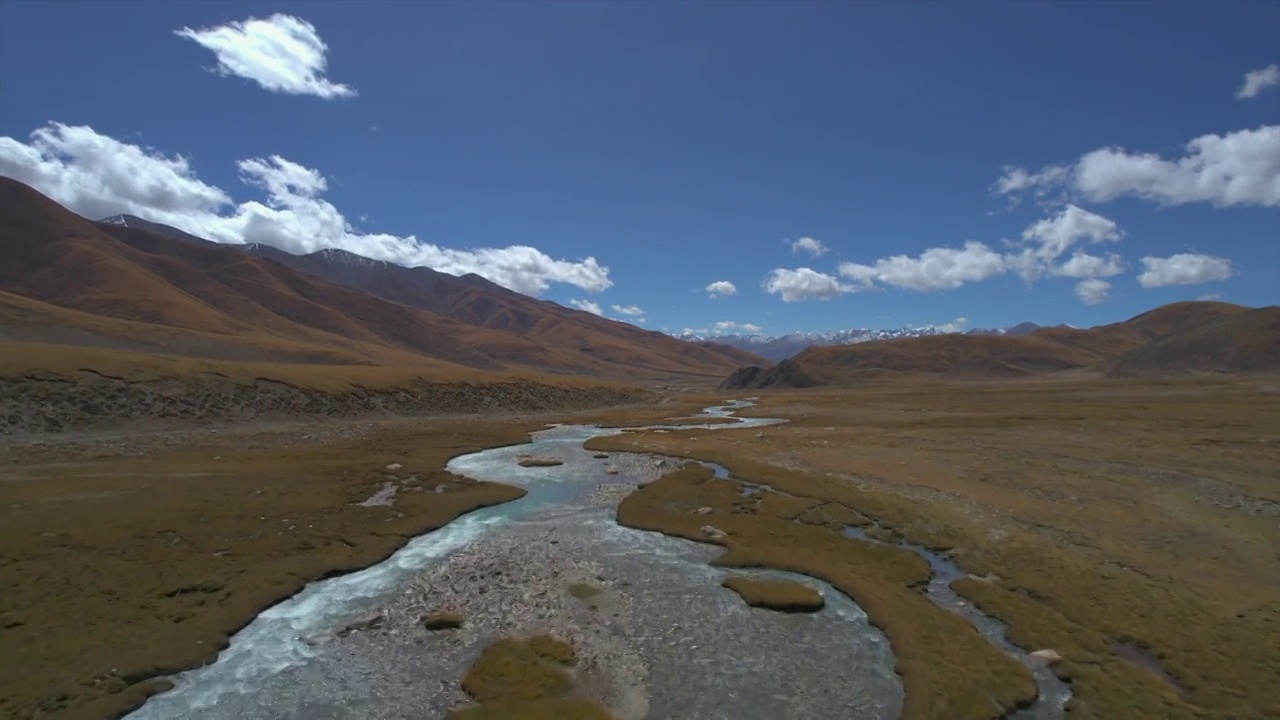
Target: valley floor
1131, 527
128, 555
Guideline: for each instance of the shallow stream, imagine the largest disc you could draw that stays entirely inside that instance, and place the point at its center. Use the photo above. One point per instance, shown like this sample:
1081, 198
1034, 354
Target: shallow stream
661, 638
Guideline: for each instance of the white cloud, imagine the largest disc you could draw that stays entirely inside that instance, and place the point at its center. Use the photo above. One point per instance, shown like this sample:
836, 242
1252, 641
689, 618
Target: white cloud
1255, 81
587, 306
1092, 290
934, 269
725, 326
1084, 265
721, 288
1016, 179
1068, 227
1209, 296
801, 284
1051, 237
809, 245
628, 310
1183, 269
282, 53
96, 176
1240, 168
955, 326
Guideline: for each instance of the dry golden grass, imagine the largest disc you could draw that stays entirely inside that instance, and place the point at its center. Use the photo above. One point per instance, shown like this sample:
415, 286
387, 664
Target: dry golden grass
1095, 513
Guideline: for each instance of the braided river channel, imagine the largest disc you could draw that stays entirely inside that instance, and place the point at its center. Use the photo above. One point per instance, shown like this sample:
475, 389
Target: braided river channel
656, 635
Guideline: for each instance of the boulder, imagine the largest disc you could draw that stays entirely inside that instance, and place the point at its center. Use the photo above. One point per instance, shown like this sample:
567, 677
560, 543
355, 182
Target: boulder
1046, 656
713, 533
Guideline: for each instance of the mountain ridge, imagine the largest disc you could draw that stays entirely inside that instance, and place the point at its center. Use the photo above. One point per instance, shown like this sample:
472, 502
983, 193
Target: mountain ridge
1184, 338
127, 277
781, 347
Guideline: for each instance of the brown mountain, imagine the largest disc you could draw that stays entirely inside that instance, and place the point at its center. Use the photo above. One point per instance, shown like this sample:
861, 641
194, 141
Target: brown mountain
1178, 339
121, 284
1239, 342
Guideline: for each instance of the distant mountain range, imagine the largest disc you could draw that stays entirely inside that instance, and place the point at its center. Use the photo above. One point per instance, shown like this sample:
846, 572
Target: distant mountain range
781, 347
1187, 338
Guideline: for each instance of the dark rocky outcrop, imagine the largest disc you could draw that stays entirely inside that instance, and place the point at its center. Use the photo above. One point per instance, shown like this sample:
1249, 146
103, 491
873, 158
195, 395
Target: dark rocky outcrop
786, 374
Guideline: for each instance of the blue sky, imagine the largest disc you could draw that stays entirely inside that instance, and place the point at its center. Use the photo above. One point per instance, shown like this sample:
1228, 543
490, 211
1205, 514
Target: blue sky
1074, 162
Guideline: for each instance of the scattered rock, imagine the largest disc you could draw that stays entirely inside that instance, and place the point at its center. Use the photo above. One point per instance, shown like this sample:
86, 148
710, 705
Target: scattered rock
702, 511
385, 496
393, 466
372, 621
442, 620
1046, 656
601, 456
611, 471
712, 532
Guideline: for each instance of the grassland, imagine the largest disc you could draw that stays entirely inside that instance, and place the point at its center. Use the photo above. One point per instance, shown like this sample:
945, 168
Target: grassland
776, 595
130, 555
1088, 514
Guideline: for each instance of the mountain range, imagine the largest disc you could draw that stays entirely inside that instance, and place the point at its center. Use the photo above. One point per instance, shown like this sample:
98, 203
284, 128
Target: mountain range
128, 284
781, 347
1186, 338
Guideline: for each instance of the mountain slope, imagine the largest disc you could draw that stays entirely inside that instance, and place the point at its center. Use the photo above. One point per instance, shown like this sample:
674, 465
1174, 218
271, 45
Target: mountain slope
1236, 342
476, 301
1178, 339
121, 272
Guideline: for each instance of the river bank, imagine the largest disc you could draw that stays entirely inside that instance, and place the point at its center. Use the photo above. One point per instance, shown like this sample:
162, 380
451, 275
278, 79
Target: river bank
656, 634
164, 543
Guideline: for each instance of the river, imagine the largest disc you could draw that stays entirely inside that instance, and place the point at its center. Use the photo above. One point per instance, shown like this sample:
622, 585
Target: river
661, 638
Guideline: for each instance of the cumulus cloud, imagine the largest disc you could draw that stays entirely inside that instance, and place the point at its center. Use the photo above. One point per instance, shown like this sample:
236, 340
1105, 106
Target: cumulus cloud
1068, 227
281, 53
1183, 269
721, 288
96, 176
1035, 255
628, 310
809, 245
1046, 240
1084, 265
933, 269
1239, 168
587, 306
727, 326
1255, 81
1092, 291
801, 284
